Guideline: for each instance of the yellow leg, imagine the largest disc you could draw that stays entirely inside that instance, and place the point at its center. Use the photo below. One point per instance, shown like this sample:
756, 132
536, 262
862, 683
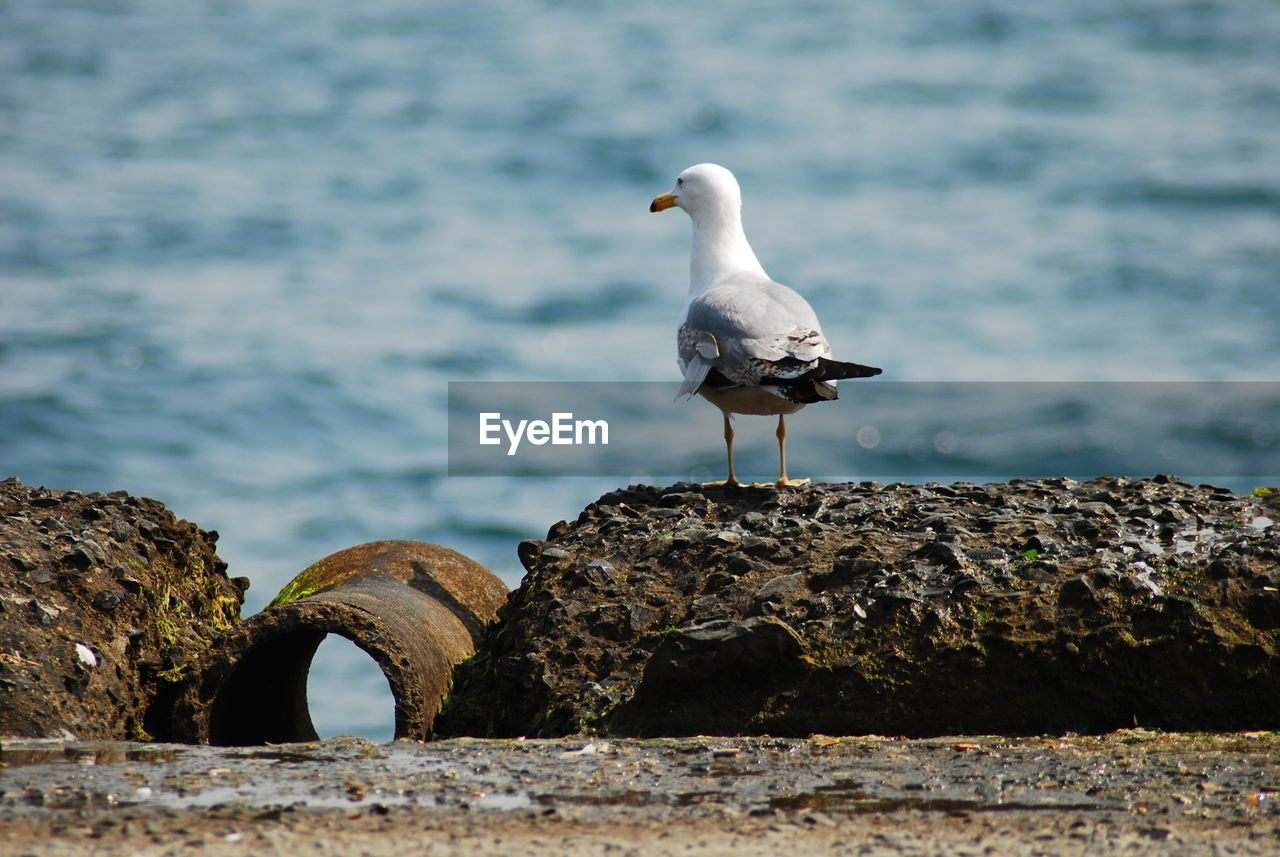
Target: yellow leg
728, 445
782, 454
782, 448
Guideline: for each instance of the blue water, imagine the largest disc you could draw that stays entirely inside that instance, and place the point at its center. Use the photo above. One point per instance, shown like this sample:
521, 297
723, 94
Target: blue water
245, 245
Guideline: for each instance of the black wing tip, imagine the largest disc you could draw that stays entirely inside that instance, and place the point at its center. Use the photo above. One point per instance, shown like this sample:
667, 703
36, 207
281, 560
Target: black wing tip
833, 370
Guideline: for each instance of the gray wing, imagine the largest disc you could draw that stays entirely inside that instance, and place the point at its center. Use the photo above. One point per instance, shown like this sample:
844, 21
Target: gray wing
749, 333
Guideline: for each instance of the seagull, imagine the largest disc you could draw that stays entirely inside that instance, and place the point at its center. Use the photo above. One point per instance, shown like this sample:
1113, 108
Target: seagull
746, 344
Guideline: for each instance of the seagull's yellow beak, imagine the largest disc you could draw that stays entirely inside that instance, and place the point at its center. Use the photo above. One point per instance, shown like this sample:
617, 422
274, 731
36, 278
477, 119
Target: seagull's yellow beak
663, 202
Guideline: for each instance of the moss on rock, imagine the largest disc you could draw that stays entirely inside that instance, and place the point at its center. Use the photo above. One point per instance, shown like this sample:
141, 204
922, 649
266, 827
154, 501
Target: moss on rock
106, 600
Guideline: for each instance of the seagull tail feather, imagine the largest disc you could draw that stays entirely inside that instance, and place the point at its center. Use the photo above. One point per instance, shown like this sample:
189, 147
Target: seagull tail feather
832, 370
813, 385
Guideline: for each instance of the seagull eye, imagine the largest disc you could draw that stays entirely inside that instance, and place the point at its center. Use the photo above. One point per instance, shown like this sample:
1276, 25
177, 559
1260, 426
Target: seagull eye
679, 182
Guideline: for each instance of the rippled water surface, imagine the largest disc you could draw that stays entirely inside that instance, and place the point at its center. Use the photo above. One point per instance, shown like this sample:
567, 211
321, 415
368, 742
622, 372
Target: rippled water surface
245, 246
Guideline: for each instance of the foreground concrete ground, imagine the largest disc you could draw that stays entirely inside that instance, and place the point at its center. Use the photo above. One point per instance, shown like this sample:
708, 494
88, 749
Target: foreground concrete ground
1131, 792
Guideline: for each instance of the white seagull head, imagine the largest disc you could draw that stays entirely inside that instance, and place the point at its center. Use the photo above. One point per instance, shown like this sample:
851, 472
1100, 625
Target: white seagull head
703, 189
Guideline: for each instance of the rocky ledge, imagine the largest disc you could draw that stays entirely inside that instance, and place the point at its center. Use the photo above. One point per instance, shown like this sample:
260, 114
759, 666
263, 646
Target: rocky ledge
106, 600
1037, 606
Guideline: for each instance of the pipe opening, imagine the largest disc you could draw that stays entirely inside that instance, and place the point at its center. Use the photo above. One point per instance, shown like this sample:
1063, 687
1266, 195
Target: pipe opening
264, 697
348, 694
270, 697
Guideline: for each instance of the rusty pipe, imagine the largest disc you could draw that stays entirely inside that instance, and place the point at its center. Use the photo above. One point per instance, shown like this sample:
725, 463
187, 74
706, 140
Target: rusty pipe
416, 608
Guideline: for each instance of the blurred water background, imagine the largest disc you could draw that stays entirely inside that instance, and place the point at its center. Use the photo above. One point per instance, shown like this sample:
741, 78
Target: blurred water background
244, 246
